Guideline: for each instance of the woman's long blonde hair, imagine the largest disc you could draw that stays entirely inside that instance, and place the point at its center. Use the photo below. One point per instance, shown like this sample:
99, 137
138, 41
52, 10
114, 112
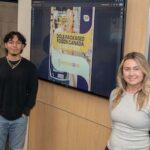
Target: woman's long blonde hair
143, 94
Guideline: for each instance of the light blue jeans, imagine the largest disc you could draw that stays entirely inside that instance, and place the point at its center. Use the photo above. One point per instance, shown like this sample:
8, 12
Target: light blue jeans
15, 130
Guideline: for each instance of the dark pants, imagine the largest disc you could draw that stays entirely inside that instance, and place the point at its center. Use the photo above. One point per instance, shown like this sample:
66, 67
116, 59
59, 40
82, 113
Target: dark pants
106, 148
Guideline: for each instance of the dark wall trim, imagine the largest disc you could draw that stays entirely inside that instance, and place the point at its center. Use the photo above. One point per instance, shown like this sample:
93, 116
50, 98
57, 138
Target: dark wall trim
12, 1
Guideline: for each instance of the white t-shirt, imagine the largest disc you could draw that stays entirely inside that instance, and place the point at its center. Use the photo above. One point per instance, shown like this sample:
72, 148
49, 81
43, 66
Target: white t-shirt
130, 127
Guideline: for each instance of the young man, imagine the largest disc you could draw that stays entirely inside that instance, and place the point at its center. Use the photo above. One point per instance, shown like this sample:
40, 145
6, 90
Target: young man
18, 89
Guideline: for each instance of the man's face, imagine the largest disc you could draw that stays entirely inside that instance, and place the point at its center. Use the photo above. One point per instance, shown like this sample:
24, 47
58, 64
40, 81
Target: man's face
14, 46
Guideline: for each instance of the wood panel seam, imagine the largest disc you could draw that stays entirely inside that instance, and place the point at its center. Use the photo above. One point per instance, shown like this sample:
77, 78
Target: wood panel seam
74, 114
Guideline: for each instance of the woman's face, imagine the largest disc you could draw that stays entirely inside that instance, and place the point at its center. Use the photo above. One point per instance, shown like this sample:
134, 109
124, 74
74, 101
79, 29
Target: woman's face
132, 73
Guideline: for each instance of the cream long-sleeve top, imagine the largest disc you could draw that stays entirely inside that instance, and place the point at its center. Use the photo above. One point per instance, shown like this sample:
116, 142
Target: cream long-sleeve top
130, 126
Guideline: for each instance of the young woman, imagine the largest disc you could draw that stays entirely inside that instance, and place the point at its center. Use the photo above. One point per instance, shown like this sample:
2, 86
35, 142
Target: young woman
130, 105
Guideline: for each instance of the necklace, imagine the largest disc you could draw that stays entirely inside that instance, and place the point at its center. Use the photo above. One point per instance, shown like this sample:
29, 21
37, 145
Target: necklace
13, 65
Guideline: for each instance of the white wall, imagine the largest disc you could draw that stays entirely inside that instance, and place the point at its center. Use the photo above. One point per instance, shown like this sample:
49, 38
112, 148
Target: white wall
24, 26
24, 23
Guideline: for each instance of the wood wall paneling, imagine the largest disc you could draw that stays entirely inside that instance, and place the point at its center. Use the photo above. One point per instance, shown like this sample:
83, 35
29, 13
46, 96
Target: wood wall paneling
8, 21
136, 26
73, 101
57, 129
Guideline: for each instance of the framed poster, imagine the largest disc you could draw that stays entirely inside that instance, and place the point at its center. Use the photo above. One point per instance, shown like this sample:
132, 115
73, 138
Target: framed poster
78, 43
